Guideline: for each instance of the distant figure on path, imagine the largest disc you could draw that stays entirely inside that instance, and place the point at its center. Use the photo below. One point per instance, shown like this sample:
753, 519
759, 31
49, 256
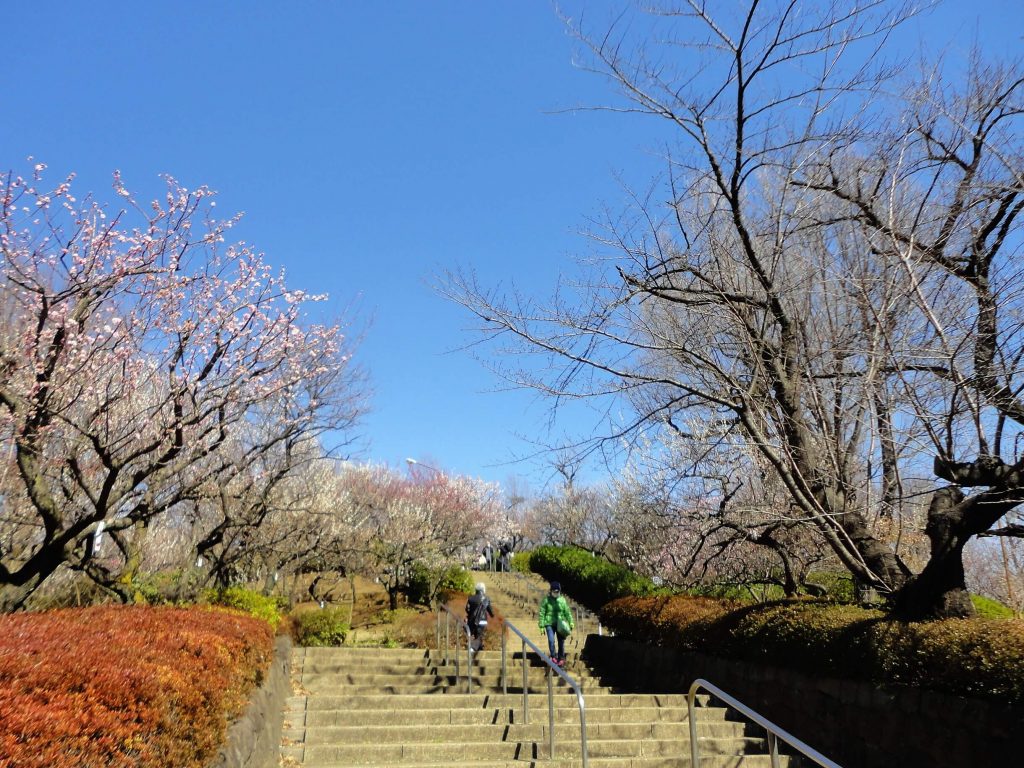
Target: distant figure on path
556, 620
489, 556
505, 561
478, 608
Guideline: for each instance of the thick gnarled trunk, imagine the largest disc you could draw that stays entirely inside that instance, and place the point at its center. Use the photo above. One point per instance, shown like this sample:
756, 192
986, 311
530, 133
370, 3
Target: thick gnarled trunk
13, 596
940, 590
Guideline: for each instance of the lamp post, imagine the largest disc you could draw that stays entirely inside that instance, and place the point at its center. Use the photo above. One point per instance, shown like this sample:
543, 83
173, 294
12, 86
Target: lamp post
413, 462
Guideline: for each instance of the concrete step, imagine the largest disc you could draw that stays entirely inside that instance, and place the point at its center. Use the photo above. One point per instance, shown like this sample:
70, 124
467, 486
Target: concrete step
568, 745
326, 687
488, 749
484, 660
349, 681
502, 715
369, 652
598, 698
413, 677
710, 761
393, 674
419, 731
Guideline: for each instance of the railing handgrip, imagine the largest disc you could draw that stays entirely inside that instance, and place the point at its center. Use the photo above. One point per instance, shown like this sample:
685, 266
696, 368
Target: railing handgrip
774, 732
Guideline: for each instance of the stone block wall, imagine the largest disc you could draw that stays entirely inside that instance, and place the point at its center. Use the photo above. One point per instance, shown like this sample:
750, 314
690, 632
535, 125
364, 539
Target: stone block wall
254, 739
856, 724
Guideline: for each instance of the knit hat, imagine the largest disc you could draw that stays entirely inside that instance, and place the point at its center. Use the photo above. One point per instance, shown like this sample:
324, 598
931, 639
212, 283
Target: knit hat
554, 585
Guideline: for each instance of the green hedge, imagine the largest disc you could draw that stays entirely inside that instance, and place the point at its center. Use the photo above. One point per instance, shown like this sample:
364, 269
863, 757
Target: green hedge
324, 627
521, 562
590, 579
971, 657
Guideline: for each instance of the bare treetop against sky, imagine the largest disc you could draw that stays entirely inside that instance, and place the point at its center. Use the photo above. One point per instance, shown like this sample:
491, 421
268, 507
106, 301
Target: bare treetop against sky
371, 146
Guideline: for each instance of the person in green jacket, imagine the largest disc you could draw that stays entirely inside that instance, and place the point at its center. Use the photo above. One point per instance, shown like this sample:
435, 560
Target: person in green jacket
556, 620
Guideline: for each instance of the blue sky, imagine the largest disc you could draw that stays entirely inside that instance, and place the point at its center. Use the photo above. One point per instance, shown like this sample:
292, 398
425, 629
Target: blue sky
370, 145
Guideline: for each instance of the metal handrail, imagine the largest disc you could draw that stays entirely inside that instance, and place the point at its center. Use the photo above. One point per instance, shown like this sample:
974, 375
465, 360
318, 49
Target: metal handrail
449, 615
774, 732
577, 688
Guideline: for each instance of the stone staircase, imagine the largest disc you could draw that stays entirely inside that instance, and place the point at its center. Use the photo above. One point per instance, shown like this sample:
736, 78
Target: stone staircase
380, 707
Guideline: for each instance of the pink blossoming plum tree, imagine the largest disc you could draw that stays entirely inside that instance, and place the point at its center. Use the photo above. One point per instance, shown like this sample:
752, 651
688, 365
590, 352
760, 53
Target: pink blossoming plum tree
429, 518
138, 351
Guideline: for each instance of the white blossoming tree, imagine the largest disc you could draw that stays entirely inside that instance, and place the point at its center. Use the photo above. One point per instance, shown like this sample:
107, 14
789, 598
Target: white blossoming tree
137, 350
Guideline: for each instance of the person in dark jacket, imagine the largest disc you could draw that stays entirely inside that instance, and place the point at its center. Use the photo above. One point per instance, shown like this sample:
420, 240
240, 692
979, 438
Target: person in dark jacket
478, 608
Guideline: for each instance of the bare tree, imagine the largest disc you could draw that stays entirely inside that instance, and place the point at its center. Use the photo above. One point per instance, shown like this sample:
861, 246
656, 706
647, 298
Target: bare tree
831, 286
696, 513
938, 203
572, 514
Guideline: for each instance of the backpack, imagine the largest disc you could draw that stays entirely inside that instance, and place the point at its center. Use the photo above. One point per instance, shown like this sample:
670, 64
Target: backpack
478, 612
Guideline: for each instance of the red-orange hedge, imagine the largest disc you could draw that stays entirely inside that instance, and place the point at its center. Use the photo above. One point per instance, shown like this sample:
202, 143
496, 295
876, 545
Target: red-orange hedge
124, 687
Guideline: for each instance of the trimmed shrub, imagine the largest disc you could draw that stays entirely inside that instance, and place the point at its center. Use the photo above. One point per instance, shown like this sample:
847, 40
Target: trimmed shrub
427, 584
125, 687
521, 562
326, 627
246, 600
838, 586
590, 579
759, 592
972, 657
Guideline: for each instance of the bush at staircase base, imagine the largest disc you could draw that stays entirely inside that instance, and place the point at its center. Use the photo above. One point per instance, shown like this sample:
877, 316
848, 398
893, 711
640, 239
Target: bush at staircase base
853, 723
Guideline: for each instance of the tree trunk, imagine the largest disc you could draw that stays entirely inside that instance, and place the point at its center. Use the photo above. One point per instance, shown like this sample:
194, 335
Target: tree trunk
19, 583
885, 571
940, 590
13, 596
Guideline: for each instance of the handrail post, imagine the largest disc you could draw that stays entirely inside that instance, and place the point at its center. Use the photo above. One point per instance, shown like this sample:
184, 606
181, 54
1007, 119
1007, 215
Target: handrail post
692, 717
773, 749
504, 663
469, 661
447, 625
526, 704
583, 726
551, 717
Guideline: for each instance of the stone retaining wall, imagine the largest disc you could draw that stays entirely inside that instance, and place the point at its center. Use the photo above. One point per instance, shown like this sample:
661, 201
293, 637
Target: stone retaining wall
854, 723
254, 740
